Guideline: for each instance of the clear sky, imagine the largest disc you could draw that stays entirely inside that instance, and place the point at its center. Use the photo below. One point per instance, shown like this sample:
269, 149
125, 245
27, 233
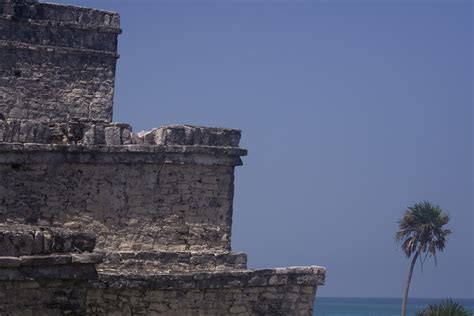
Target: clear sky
351, 111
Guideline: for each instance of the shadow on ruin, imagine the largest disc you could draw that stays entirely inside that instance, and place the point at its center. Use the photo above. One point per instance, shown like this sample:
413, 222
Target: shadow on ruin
99, 220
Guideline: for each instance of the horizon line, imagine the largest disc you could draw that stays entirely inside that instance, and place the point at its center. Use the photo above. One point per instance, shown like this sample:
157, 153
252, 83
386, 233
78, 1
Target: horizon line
392, 297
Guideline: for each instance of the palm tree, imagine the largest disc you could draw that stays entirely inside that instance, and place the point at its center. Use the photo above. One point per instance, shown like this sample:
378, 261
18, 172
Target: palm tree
421, 233
445, 308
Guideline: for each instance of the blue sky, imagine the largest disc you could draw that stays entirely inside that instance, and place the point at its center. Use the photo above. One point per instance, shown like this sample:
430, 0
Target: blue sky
351, 111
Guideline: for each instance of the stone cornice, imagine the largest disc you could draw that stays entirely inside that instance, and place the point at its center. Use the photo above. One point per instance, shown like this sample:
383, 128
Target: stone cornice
4, 44
21, 153
311, 275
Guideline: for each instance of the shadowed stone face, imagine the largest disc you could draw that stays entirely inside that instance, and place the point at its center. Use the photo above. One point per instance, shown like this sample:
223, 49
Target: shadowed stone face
22, 240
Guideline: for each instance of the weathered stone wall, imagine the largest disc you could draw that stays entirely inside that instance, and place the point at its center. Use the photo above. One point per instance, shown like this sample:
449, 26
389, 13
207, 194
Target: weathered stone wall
57, 34
45, 271
139, 206
152, 262
55, 84
58, 14
57, 62
24, 240
43, 297
270, 300
86, 132
287, 291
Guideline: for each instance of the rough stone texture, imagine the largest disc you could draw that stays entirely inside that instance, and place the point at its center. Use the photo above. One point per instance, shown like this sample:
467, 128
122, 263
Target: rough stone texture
86, 154
310, 275
189, 135
56, 14
88, 132
57, 62
24, 132
49, 267
44, 271
288, 291
129, 262
139, 206
158, 202
22, 240
270, 300
43, 297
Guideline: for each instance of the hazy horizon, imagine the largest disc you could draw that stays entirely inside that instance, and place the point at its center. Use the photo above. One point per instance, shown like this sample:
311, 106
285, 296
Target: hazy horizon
394, 297
351, 111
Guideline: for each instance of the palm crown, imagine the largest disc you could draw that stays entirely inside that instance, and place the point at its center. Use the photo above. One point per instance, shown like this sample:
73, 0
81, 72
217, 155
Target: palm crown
421, 229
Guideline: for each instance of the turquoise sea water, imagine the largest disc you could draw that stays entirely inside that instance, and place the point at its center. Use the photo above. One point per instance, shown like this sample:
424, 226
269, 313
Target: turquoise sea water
337, 306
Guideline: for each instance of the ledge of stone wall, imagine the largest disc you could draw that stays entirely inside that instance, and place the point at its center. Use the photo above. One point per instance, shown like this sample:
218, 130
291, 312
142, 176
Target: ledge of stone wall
17, 154
311, 275
75, 271
32, 253
282, 294
50, 260
23, 240
167, 262
55, 52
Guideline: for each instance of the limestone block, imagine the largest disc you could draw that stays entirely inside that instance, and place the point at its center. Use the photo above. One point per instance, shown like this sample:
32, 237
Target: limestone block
126, 136
192, 136
90, 136
112, 135
100, 134
137, 138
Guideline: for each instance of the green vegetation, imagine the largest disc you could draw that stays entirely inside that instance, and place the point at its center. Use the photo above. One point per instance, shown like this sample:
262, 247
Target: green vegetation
420, 234
445, 308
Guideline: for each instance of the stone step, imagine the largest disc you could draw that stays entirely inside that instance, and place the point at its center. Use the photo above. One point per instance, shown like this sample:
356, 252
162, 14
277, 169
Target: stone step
54, 266
131, 262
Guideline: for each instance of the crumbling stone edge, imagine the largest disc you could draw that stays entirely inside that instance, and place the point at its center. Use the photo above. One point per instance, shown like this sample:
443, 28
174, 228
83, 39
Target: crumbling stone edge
83, 132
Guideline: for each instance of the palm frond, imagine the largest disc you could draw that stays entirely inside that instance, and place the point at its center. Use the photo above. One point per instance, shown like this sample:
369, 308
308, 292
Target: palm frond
421, 230
445, 308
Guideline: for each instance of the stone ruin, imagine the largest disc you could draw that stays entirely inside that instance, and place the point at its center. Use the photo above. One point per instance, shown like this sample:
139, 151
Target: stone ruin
96, 219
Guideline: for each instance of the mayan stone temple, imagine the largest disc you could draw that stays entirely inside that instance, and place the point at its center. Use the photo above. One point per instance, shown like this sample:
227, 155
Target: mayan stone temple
98, 220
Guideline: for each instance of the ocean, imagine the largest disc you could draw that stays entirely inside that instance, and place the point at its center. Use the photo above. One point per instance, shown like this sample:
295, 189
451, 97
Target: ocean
337, 306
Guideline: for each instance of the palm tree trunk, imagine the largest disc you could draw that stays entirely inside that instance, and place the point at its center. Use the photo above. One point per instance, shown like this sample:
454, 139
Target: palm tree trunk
407, 286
